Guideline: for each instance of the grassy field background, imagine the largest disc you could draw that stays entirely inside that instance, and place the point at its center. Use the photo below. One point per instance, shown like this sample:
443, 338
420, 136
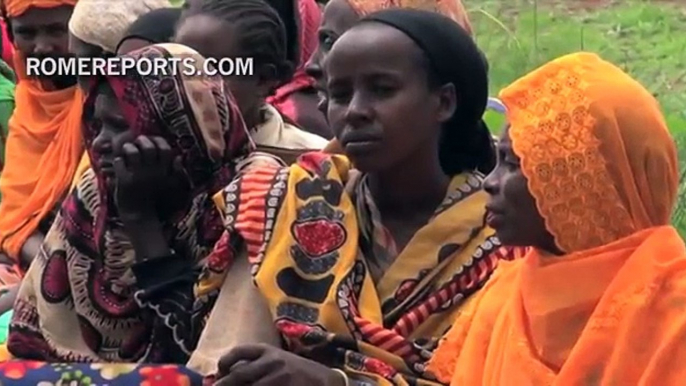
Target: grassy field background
646, 38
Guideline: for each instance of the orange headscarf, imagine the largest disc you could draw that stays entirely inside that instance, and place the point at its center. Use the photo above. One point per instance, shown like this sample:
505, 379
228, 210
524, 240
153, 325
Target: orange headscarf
603, 169
43, 148
17, 7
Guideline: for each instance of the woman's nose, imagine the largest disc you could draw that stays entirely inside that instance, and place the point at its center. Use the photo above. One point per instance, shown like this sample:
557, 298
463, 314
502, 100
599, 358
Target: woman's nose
492, 182
313, 67
102, 144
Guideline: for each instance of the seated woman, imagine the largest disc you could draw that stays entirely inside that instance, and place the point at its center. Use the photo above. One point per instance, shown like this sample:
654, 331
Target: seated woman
114, 279
363, 270
587, 174
154, 27
250, 29
45, 144
297, 99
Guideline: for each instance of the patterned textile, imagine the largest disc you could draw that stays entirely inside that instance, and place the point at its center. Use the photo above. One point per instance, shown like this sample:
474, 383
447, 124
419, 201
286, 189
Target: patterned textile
82, 299
313, 262
603, 170
28, 373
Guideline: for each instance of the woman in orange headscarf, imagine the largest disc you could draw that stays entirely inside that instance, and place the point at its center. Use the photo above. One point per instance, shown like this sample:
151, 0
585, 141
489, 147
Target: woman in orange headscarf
44, 142
587, 174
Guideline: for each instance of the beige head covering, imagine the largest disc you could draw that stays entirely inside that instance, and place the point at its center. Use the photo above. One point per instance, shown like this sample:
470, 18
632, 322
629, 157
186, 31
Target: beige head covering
104, 22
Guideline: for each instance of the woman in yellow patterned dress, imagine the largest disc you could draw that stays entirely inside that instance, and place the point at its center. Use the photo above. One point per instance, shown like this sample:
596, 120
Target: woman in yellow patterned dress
364, 269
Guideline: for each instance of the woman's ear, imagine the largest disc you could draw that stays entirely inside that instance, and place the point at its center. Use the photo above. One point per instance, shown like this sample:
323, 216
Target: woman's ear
447, 102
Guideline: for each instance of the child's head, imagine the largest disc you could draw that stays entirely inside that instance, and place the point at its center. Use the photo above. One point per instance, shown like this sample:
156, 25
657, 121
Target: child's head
249, 29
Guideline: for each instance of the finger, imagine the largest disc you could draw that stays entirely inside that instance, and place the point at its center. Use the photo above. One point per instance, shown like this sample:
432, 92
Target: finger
164, 151
117, 145
120, 170
248, 352
131, 155
177, 166
273, 378
249, 373
147, 149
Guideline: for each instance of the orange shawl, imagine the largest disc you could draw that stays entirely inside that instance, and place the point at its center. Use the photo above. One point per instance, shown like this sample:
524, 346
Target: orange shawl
603, 169
43, 149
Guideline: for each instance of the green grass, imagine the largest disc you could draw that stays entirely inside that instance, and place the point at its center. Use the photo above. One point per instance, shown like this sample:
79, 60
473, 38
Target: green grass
645, 38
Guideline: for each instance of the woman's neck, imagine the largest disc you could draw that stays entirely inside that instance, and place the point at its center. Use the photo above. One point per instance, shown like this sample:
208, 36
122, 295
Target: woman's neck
410, 187
256, 118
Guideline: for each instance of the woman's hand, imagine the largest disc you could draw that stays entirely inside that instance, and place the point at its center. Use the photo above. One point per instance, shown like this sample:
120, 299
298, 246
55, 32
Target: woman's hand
264, 365
141, 167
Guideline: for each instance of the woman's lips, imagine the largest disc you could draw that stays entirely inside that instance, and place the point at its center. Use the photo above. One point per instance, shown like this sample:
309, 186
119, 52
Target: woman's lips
106, 168
494, 220
361, 147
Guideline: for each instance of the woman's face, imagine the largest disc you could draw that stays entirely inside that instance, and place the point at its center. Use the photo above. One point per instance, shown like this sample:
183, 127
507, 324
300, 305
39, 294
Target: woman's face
337, 18
381, 108
42, 32
215, 39
112, 130
512, 210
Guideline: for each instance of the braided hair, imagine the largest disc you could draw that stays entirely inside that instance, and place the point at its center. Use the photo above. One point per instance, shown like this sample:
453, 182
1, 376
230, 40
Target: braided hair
465, 143
260, 32
288, 11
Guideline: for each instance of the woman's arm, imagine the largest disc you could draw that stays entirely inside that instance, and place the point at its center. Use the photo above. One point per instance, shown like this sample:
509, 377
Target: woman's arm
30, 249
165, 287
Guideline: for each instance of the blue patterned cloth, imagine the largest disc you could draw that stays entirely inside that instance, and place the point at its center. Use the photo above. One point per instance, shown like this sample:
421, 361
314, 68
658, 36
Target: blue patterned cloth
28, 373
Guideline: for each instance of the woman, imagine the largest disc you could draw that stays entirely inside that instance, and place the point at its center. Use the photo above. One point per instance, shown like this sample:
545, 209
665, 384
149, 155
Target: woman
587, 174
297, 99
10, 274
250, 29
151, 28
42, 145
363, 270
45, 155
114, 279
340, 15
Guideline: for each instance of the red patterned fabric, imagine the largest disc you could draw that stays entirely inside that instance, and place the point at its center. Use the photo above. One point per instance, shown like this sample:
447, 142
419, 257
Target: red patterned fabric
7, 47
310, 17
